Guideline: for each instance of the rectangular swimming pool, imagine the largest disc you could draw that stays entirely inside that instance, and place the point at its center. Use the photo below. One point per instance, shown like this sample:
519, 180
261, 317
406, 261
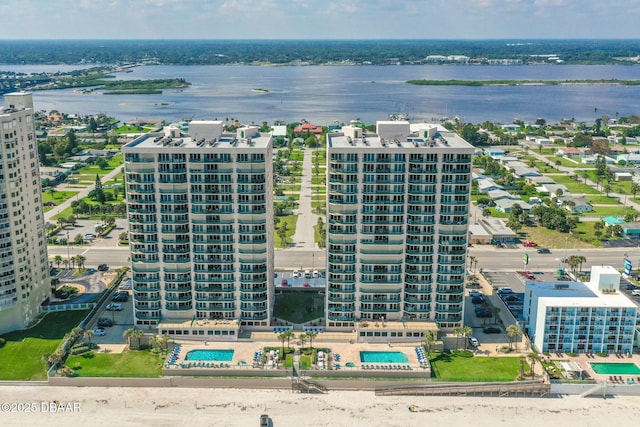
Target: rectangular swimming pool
615, 368
214, 355
383, 357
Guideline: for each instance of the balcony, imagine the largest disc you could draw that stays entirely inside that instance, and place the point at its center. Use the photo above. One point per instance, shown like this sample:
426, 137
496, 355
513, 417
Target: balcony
341, 317
254, 316
379, 310
146, 315
146, 297
214, 288
416, 309
170, 297
253, 298
178, 307
450, 291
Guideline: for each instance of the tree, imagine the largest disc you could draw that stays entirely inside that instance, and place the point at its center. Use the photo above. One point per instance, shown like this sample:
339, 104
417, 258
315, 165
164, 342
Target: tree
523, 362
98, 192
430, 339
634, 189
311, 336
65, 262
79, 260
473, 261
289, 335
466, 333
88, 334
282, 233
514, 224
133, 334
513, 332
303, 339
533, 358
458, 331
486, 212
607, 188
102, 163
57, 259
282, 338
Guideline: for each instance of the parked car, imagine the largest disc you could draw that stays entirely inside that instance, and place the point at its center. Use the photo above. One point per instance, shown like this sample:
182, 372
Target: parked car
90, 236
544, 251
264, 420
125, 286
114, 306
473, 342
284, 283
315, 274
635, 293
477, 300
295, 274
484, 313
491, 330
475, 293
505, 290
529, 244
105, 323
307, 274
510, 297
99, 332
122, 296
102, 267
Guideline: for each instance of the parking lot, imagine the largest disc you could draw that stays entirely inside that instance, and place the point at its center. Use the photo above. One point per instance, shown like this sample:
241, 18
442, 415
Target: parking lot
285, 279
122, 320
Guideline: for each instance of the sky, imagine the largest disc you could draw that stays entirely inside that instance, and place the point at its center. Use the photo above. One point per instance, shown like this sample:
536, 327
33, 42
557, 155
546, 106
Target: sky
319, 19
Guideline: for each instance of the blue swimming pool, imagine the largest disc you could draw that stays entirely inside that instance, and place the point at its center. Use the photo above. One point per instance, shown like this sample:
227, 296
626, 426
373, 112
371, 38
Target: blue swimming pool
383, 357
215, 355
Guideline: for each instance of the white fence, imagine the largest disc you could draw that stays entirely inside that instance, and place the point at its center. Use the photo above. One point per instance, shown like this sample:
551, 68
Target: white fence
65, 307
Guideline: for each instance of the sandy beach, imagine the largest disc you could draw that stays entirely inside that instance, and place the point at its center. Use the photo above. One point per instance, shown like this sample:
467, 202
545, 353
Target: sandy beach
235, 407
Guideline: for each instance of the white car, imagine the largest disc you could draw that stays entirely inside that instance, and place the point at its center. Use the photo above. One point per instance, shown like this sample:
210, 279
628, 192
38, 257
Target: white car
296, 274
99, 332
307, 274
635, 293
475, 293
315, 274
114, 306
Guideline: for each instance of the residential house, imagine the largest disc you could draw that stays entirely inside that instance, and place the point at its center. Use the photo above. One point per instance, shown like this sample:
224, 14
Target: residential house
552, 189
612, 220
487, 184
631, 230
523, 172
570, 152
494, 153
307, 127
505, 205
575, 204
501, 194
539, 180
630, 159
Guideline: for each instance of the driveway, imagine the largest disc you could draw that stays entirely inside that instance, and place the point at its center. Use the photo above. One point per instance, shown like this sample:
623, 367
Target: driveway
304, 236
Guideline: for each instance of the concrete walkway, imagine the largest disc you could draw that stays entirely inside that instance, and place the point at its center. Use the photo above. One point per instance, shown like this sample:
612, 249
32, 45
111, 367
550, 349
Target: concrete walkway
304, 235
84, 192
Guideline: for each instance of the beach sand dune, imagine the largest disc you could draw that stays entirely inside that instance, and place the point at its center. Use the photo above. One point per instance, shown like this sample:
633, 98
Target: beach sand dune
177, 407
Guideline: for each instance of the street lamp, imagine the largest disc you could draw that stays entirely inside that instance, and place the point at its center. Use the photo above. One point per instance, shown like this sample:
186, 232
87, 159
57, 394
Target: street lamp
68, 250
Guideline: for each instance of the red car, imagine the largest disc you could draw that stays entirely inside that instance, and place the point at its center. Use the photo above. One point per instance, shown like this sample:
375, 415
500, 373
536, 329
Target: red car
285, 283
529, 244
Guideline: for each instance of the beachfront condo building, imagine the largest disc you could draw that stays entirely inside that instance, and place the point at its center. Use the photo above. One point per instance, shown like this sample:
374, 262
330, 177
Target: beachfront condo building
200, 211
397, 213
24, 269
576, 317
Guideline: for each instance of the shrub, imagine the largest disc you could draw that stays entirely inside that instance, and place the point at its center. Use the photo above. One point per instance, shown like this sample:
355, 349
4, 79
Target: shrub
3, 341
601, 354
572, 354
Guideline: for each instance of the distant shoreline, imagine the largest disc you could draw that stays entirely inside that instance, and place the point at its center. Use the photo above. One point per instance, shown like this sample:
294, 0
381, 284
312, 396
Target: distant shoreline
522, 82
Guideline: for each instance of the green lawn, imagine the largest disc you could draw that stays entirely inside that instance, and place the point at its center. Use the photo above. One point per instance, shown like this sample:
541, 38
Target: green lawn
57, 197
610, 211
565, 162
448, 367
129, 129
291, 229
140, 364
602, 200
297, 155
22, 354
556, 240
576, 187
318, 180
496, 214
298, 306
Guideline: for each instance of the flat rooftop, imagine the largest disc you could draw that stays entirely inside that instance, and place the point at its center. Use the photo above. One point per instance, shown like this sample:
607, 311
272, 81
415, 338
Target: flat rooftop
157, 141
576, 294
441, 140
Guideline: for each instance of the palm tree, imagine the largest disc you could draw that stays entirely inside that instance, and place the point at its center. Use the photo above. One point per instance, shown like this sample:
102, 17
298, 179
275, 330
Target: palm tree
79, 260
133, 333
430, 339
288, 335
512, 333
473, 260
65, 262
458, 331
303, 339
523, 361
57, 259
88, 334
466, 333
311, 336
635, 187
533, 358
282, 338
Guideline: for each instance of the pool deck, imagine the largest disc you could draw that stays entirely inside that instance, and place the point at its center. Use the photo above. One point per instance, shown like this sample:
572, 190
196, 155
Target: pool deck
349, 353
